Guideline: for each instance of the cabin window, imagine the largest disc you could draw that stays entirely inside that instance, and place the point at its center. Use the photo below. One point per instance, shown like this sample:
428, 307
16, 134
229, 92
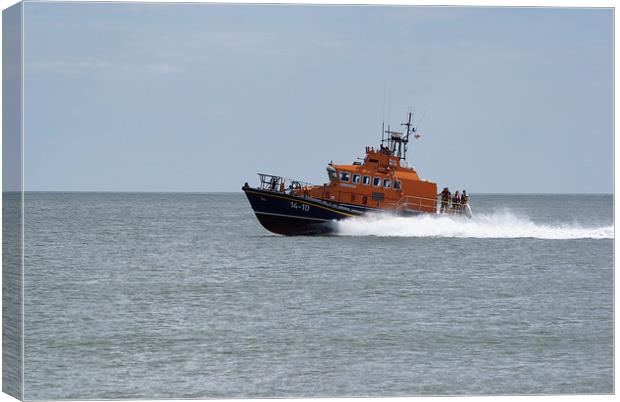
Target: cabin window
397, 185
331, 172
344, 176
366, 180
387, 183
356, 178
376, 182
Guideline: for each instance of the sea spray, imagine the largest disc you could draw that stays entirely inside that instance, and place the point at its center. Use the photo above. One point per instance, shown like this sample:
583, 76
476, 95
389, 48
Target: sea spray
499, 224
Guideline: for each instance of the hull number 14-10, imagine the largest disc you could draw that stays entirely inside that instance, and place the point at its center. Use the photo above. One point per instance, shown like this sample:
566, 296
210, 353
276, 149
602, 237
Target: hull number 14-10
303, 207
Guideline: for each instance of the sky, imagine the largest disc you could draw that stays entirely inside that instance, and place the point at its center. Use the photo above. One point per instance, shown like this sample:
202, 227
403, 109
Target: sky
201, 97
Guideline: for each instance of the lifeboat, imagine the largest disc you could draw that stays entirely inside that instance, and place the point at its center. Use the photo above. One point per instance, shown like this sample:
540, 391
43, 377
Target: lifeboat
382, 182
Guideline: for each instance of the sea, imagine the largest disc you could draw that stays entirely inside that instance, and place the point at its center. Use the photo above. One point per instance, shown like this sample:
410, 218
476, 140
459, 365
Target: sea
179, 295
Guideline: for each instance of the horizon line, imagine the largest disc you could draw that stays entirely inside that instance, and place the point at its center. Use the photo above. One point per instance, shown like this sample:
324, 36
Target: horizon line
240, 192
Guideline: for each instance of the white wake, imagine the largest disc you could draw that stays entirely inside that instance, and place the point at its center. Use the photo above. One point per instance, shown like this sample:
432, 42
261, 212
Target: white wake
503, 224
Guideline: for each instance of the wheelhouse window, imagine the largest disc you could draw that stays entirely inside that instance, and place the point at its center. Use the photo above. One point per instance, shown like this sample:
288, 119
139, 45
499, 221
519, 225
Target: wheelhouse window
387, 183
376, 182
345, 176
331, 172
397, 185
366, 180
356, 178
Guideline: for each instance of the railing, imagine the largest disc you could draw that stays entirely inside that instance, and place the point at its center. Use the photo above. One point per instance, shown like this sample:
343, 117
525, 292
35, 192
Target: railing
282, 184
454, 208
457, 209
421, 204
414, 203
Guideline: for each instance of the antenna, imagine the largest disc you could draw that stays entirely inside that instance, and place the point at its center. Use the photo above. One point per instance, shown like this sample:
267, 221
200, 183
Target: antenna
408, 125
383, 115
423, 116
382, 131
389, 102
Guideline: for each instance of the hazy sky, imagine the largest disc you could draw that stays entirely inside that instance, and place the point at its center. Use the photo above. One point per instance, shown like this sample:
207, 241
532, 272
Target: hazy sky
199, 97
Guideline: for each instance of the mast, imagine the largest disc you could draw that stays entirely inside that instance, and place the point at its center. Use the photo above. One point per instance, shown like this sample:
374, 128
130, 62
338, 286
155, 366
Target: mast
398, 141
410, 129
408, 125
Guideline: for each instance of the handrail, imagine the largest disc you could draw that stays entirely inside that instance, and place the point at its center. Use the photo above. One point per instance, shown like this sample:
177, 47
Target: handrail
416, 197
413, 202
275, 183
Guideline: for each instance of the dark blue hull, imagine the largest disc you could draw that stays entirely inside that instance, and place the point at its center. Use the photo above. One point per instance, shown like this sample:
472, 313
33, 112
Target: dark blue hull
292, 215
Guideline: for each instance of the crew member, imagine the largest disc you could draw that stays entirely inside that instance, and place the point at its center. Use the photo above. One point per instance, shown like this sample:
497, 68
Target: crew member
464, 200
282, 186
456, 201
445, 199
272, 184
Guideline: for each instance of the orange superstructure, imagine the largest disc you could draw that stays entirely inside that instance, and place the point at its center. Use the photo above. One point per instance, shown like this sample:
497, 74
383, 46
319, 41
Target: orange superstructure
381, 181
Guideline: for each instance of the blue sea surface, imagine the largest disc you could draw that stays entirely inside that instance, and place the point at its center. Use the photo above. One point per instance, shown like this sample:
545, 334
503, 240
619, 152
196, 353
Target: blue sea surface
176, 295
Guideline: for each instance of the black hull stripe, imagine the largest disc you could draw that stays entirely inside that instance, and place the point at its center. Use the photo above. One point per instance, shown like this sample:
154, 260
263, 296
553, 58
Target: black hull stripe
291, 216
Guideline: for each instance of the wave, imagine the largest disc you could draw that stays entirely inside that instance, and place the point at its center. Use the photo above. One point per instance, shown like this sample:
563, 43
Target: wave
500, 225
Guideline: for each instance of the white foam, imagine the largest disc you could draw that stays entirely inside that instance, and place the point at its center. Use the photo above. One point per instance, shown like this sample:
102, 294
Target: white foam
504, 224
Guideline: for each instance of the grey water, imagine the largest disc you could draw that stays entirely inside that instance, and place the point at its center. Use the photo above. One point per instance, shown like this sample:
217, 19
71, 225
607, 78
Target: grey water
145, 295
